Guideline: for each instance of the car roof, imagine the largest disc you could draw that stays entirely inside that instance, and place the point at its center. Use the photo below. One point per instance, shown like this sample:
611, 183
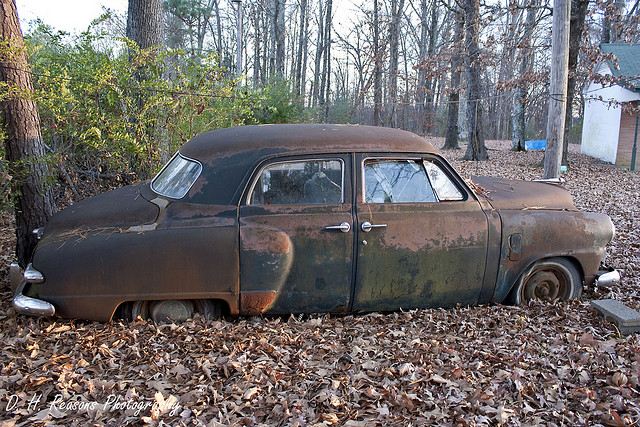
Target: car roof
302, 138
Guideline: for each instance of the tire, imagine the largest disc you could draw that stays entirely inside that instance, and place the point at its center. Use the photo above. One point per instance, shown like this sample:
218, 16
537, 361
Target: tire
176, 311
547, 280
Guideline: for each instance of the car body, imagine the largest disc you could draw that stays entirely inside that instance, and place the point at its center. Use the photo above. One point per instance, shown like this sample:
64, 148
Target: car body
278, 219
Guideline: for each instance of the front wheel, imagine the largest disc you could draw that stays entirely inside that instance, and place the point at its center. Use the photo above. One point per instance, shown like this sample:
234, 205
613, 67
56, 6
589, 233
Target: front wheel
549, 279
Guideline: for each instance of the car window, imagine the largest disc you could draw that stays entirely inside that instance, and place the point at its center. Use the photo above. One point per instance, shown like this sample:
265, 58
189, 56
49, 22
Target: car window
299, 182
443, 186
177, 177
396, 181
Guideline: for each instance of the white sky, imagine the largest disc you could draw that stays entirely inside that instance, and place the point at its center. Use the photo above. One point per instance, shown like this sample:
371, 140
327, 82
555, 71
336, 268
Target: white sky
72, 16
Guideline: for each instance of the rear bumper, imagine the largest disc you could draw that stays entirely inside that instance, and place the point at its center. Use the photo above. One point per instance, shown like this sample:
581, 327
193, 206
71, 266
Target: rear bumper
22, 303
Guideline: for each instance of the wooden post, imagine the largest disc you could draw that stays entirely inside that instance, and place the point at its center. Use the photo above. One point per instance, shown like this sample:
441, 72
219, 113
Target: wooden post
557, 88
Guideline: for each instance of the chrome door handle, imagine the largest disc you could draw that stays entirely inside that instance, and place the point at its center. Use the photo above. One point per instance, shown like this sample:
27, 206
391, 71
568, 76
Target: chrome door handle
345, 227
367, 226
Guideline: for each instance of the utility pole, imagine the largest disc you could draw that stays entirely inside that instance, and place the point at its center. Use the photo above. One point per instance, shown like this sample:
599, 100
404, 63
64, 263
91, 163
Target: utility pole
238, 38
557, 88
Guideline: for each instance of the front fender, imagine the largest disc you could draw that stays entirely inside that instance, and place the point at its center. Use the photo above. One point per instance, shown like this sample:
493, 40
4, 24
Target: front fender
532, 235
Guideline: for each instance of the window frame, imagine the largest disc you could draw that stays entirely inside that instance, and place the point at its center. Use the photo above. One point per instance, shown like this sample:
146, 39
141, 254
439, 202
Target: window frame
274, 162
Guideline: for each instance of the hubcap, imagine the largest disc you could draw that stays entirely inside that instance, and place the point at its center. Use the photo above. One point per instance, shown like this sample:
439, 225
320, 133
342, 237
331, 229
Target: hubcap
543, 285
172, 311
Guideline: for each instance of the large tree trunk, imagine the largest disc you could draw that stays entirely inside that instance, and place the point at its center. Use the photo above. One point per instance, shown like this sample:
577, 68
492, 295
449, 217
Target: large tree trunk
34, 201
576, 28
144, 23
451, 139
476, 149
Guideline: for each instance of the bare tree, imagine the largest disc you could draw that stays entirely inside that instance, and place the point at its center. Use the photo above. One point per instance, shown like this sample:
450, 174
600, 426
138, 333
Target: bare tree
377, 79
451, 137
520, 96
24, 147
397, 8
326, 65
476, 150
302, 48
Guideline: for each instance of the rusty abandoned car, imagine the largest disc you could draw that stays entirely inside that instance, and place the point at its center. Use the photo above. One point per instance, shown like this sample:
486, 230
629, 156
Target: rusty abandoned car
281, 219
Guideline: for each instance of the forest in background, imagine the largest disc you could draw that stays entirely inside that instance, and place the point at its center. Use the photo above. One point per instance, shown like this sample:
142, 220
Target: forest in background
111, 107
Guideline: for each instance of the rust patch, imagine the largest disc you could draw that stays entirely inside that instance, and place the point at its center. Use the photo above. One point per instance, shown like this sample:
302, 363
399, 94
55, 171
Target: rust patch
255, 303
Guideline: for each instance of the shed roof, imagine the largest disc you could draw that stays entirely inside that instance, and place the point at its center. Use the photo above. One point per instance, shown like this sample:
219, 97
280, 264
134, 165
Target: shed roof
628, 69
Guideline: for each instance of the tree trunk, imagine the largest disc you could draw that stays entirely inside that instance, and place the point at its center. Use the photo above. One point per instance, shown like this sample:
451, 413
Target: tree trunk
422, 73
326, 67
397, 8
451, 139
518, 137
576, 28
144, 23
24, 147
315, 94
430, 83
302, 47
476, 150
257, 52
279, 37
216, 5
377, 56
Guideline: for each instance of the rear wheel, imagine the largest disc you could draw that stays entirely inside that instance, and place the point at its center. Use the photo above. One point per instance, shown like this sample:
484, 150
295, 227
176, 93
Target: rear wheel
176, 311
549, 279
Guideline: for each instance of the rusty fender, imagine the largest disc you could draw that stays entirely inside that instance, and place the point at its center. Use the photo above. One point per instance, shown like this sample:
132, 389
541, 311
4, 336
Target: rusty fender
531, 235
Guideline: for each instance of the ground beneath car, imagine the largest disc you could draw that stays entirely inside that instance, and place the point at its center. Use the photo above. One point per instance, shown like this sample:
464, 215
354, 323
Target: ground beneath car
546, 363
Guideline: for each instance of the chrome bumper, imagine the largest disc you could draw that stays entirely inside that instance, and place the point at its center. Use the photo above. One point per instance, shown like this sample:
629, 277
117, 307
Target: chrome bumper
24, 304
608, 278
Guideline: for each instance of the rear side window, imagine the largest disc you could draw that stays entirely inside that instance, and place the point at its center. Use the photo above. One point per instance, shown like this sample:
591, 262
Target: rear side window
299, 182
177, 177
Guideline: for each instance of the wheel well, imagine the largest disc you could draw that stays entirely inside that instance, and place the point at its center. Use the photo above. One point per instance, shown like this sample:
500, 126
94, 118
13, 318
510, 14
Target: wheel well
524, 270
123, 310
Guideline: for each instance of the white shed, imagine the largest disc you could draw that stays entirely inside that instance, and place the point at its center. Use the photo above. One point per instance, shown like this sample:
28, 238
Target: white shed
608, 132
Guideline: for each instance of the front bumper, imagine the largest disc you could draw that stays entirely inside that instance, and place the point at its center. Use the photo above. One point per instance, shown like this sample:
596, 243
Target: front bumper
24, 304
608, 277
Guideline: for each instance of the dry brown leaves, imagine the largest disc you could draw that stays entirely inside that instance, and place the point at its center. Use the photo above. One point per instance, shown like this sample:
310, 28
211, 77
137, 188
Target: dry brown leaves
546, 363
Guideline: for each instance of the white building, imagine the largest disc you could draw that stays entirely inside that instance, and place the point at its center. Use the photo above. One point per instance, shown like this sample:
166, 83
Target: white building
608, 130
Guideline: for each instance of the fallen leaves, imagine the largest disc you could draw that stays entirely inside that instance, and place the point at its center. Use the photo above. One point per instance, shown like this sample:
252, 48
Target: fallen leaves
544, 363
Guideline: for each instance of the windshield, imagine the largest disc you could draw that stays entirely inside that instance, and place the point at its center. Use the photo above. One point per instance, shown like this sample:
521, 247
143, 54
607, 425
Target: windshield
177, 177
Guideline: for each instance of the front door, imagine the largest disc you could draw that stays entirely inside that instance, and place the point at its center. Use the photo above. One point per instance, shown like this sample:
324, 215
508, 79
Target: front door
421, 237
296, 237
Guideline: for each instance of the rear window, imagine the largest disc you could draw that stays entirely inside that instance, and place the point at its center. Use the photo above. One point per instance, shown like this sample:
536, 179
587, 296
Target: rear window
177, 177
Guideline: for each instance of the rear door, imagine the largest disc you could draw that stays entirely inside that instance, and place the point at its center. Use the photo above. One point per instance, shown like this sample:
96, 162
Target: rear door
421, 235
296, 237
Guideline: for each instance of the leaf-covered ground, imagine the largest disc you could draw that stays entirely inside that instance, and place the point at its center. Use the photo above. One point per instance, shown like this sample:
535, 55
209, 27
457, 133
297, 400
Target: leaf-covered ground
542, 364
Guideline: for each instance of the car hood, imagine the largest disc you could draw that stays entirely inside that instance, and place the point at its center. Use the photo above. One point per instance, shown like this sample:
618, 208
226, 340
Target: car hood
121, 208
511, 194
